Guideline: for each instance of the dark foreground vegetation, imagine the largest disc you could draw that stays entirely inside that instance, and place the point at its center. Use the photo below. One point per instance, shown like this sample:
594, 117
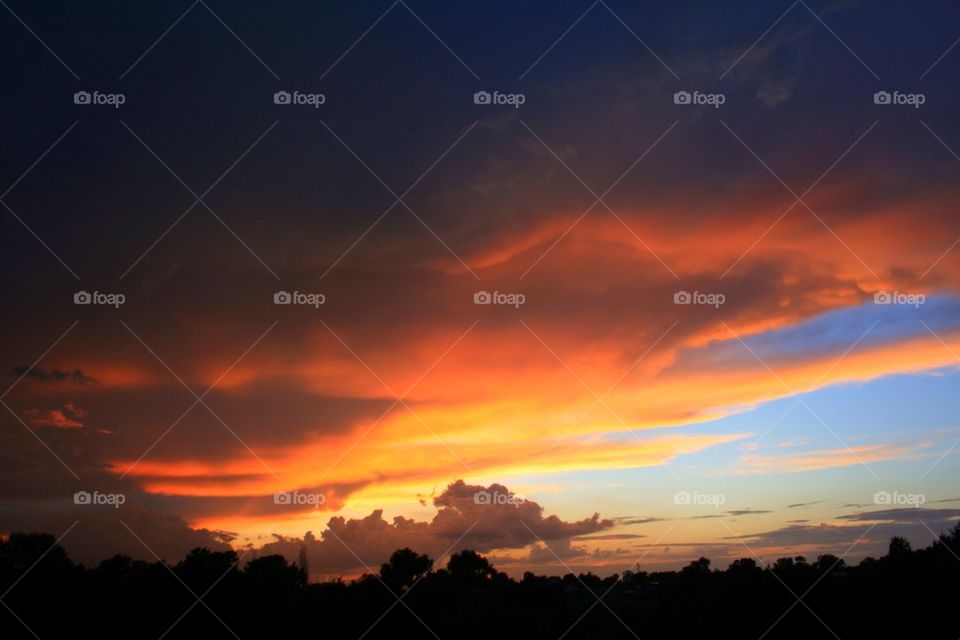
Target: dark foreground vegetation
905, 594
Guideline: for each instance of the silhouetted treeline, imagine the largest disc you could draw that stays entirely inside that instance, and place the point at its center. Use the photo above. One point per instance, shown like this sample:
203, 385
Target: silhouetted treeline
905, 594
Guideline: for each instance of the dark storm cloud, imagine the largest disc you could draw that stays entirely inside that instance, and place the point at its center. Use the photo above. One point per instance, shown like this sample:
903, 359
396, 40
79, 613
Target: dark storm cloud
132, 530
52, 375
324, 498
130, 421
432, 100
29, 471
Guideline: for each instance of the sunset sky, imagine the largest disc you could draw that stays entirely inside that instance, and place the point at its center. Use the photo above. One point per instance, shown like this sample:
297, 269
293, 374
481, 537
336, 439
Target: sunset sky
630, 428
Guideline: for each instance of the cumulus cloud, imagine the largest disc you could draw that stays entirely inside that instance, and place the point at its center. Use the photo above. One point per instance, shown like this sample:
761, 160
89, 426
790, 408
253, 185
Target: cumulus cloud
541, 553
460, 523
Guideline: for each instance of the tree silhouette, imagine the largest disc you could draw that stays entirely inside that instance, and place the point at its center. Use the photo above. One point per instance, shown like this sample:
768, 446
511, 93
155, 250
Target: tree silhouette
906, 593
404, 568
469, 566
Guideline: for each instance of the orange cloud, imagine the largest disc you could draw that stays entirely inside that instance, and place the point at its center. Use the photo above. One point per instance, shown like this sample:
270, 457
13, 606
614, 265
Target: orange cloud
56, 418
